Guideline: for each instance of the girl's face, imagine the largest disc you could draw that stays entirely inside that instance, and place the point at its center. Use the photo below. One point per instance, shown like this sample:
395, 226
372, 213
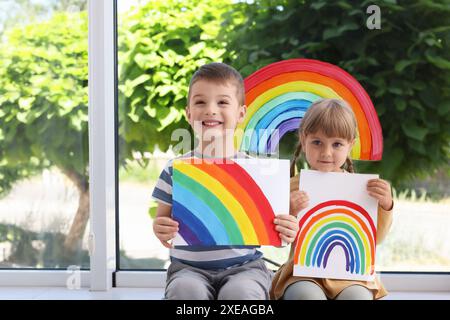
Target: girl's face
326, 154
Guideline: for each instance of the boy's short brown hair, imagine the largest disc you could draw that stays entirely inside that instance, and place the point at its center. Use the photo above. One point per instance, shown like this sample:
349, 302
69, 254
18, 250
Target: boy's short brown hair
220, 73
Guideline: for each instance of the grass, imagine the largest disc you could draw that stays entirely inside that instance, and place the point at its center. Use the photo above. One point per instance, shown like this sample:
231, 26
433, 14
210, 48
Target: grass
135, 172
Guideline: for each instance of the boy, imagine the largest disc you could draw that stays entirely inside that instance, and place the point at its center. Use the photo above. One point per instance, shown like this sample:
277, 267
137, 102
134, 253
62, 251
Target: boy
215, 107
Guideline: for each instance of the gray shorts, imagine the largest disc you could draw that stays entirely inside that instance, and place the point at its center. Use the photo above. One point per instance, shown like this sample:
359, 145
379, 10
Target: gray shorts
250, 281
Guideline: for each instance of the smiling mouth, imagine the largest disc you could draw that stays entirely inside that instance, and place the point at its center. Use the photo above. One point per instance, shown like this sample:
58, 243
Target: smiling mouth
211, 123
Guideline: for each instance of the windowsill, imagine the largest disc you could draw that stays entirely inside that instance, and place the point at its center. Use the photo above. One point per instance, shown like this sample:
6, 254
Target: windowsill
40, 281
55, 293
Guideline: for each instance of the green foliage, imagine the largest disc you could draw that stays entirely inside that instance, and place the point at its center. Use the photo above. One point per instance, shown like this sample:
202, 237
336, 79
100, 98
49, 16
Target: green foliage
152, 209
140, 172
161, 44
43, 98
411, 195
43, 75
43, 84
404, 66
128, 263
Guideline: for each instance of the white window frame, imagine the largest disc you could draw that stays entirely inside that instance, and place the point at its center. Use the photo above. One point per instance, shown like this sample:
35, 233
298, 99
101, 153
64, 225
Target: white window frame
101, 164
393, 281
102, 152
103, 275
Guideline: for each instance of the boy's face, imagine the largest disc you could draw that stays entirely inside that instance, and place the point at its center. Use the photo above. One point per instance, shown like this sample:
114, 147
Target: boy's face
213, 109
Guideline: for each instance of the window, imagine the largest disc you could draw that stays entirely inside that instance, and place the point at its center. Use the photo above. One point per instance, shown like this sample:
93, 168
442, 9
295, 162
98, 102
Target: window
157, 41
419, 239
44, 180
160, 45
150, 74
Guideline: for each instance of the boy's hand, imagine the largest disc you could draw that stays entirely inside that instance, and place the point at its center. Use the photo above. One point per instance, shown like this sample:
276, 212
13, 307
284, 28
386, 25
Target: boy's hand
165, 229
287, 226
298, 201
381, 190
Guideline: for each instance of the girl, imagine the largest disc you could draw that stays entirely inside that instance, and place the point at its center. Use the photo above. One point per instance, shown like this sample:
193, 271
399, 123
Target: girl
326, 135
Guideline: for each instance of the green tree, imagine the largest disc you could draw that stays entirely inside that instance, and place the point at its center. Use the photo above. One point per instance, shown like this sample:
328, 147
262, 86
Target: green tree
43, 106
161, 44
43, 89
22, 12
404, 66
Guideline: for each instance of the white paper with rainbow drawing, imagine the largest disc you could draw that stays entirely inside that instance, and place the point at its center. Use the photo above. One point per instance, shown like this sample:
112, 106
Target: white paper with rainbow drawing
232, 203
337, 236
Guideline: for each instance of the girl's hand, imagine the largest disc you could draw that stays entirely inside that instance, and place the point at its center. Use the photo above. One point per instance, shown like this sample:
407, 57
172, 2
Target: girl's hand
287, 226
165, 229
298, 201
381, 190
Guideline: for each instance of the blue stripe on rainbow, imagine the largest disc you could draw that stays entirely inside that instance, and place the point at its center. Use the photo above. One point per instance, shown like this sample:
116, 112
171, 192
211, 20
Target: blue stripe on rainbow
197, 233
344, 237
204, 213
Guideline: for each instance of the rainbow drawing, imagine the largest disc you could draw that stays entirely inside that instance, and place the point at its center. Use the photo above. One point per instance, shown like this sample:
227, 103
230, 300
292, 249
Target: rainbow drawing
332, 224
219, 203
278, 95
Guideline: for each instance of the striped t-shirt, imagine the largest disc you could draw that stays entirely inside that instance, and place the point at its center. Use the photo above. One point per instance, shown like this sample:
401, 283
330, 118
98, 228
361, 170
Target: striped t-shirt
212, 258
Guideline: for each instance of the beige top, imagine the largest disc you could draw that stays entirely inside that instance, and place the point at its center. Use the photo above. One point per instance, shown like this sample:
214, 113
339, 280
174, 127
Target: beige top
331, 287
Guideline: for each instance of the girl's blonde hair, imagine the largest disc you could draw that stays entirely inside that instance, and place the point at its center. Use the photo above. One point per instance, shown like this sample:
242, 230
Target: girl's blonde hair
334, 118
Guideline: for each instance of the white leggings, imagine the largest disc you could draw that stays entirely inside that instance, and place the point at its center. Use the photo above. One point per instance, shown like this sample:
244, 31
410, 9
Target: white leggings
308, 290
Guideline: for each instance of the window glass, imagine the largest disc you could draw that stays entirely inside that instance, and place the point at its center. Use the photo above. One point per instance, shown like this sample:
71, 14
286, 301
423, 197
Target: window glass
161, 44
44, 182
